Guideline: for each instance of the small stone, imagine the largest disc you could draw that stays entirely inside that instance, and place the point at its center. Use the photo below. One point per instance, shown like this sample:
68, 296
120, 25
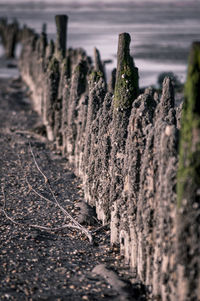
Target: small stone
168, 130
198, 192
184, 202
195, 205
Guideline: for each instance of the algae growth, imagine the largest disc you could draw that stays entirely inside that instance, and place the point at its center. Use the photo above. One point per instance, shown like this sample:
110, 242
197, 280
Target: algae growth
126, 86
188, 180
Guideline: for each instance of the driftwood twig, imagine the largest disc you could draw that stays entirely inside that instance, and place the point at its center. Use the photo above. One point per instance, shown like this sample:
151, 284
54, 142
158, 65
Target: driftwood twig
76, 225
36, 164
29, 225
73, 223
35, 226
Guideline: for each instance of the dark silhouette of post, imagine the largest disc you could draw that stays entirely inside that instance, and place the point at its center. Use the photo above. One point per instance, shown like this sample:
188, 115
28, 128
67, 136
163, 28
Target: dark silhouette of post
9, 35
61, 26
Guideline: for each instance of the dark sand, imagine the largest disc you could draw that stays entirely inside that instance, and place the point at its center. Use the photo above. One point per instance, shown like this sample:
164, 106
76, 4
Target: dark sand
37, 264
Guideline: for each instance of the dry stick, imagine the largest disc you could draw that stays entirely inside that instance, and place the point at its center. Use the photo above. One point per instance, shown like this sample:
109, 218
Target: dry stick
45, 178
77, 225
31, 188
31, 225
48, 200
100, 228
30, 133
37, 193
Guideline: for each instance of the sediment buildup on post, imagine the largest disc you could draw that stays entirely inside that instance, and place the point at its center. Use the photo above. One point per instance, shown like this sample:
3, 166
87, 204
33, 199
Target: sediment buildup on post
124, 146
9, 36
188, 188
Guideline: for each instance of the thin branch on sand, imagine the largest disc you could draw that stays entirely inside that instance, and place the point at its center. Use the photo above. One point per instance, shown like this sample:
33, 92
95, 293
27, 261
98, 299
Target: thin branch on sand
31, 188
29, 225
75, 224
35, 226
100, 228
36, 164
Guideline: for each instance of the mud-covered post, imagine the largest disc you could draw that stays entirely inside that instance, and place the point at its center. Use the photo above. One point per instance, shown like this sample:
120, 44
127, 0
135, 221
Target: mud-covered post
126, 90
111, 85
61, 26
9, 35
98, 63
126, 86
188, 185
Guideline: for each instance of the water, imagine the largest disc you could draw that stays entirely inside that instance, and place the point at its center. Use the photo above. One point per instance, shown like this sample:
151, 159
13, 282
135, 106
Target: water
161, 32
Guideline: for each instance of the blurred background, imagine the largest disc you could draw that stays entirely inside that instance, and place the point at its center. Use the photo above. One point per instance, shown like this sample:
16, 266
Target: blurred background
161, 31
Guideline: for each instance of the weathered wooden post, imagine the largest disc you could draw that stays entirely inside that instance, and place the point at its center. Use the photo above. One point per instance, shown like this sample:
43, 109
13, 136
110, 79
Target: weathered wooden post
98, 63
126, 86
111, 84
61, 25
126, 91
188, 185
42, 45
44, 28
50, 50
9, 35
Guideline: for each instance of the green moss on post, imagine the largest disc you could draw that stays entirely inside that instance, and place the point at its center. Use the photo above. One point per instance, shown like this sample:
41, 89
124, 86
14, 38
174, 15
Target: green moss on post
61, 26
51, 48
65, 66
53, 65
126, 86
98, 63
42, 44
188, 181
95, 76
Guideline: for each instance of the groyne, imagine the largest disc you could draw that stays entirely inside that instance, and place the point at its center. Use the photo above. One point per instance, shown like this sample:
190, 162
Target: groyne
138, 162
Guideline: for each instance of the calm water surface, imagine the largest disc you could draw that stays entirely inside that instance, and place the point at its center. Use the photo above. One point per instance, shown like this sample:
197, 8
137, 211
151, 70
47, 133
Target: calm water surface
161, 32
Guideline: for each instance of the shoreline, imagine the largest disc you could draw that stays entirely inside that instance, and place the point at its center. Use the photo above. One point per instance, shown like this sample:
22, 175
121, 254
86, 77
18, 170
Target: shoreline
151, 29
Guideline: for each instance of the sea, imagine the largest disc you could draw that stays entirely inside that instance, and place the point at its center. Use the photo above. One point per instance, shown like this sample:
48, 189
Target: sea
161, 31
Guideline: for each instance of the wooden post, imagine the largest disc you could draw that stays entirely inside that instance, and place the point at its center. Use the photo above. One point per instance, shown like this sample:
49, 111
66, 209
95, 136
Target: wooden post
188, 185
98, 63
126, 86
61, 25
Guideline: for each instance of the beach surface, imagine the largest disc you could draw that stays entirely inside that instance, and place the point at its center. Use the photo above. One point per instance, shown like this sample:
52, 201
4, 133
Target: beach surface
38, 264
